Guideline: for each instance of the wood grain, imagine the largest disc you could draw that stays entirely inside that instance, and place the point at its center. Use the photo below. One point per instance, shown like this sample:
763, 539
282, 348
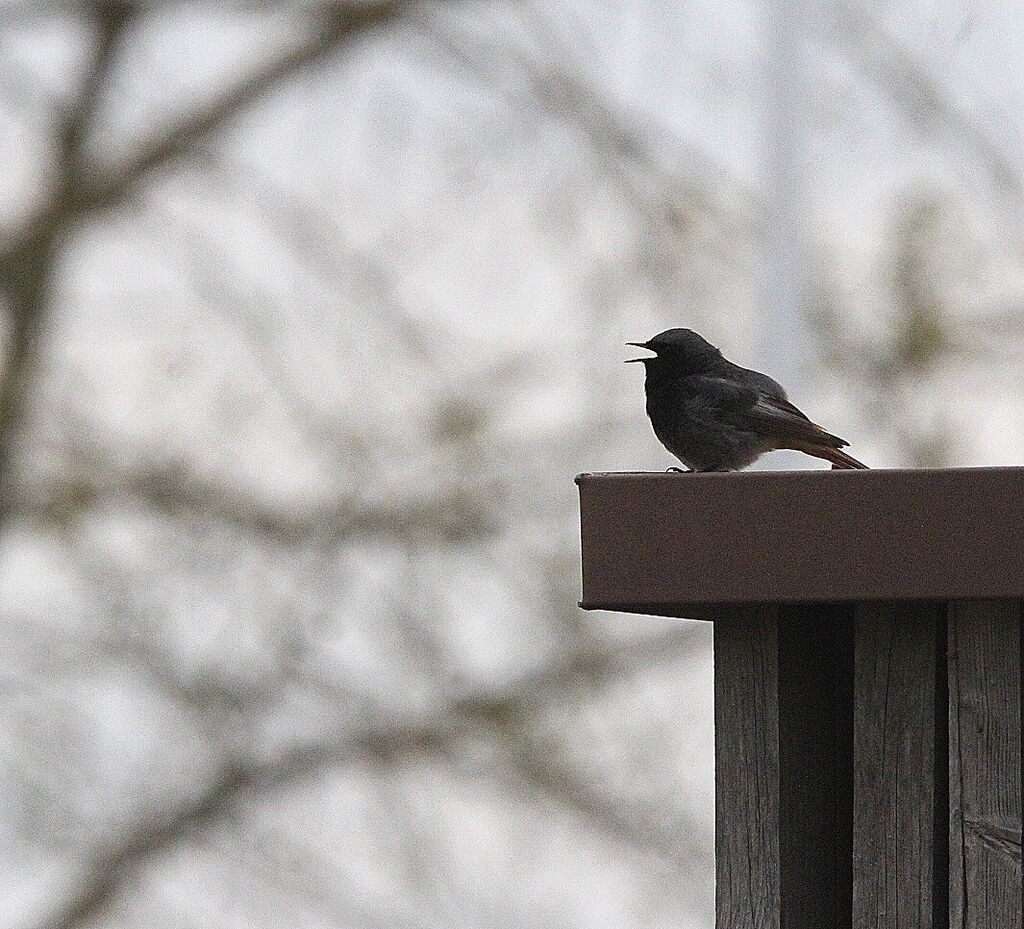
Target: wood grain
899, 824
985, 765
747, 771
783, 724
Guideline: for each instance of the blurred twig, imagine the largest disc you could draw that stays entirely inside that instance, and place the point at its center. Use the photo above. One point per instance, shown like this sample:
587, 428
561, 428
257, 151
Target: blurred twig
919, 95
241, 779
29, 256
550, 79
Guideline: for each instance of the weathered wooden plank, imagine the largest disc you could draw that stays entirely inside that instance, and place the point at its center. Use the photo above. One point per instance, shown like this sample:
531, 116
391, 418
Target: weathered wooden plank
985, 765
899, 820
747, 771
783, 692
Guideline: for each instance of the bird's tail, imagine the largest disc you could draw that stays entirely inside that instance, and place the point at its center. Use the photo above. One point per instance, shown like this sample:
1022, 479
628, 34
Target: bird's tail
840, 460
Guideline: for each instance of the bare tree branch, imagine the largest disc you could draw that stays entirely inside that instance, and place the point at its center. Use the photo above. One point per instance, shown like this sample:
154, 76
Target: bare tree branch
27, 261
26, 266
111, 19
909, 86
671, 199
241, 780
458, 515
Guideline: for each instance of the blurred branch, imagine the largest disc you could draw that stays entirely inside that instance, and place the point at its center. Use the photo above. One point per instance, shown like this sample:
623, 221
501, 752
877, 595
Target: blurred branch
443, 518
227, 291
105, 874
670, 200
286, 864
111, 19
244, 779
558, 782
220, 286
28, 259
316, 237
27, 264
345, 22
910, 87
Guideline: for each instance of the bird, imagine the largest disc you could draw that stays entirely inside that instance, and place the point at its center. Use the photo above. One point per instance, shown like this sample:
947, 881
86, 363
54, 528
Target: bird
714, 415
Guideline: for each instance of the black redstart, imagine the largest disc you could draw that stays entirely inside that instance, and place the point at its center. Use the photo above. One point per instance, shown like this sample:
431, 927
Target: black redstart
716, 416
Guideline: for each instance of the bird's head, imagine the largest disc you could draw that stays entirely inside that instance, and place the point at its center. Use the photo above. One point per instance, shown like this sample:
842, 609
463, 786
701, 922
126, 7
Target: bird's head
678, 349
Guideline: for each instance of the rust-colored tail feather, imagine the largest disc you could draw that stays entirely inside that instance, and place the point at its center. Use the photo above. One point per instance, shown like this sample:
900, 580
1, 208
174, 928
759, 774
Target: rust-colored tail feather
840, 460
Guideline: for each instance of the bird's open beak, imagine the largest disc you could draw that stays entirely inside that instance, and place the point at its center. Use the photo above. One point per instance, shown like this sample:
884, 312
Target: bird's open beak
637, 345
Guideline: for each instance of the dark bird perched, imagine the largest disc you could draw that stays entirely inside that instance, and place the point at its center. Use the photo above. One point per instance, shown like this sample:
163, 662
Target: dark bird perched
716, 416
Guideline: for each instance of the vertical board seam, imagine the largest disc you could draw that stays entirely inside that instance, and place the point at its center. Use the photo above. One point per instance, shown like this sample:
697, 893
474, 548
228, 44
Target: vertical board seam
940, 767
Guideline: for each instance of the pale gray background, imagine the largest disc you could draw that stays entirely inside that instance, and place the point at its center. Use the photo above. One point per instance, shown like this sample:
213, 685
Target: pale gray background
289, 564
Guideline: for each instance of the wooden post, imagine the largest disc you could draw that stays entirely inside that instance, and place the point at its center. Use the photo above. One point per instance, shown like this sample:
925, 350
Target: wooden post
868, 681
985, 765
783, 689
900, 838
747, 771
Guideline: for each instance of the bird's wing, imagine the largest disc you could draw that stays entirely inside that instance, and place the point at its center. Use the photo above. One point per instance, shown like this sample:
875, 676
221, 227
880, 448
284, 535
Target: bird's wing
747, 407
